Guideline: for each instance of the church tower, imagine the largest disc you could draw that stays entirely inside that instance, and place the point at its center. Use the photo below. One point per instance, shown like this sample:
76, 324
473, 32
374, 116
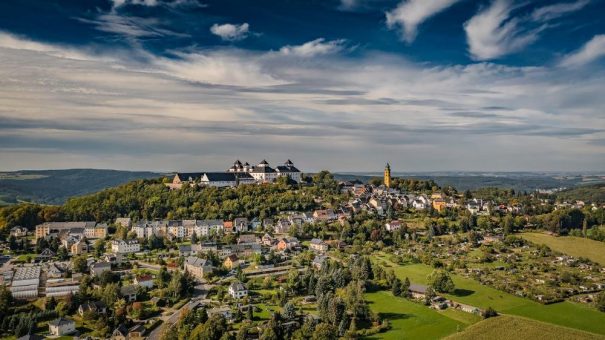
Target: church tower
387, 176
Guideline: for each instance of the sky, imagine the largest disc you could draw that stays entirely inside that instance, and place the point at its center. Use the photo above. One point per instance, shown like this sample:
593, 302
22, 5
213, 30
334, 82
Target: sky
344, 85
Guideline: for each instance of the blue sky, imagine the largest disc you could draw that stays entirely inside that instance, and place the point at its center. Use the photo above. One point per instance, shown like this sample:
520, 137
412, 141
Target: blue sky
428, 85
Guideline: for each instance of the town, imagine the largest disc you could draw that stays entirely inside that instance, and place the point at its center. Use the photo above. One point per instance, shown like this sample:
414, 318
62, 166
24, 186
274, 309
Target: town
321, 273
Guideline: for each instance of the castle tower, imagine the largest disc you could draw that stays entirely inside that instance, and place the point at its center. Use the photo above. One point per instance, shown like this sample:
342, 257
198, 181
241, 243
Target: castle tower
387, 176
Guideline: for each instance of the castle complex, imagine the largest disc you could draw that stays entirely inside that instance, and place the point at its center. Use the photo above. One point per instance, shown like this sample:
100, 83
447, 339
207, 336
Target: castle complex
239, 173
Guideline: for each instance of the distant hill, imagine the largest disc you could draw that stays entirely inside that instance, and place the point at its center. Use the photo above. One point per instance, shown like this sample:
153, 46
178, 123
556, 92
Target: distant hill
519, 181
588, 193
55, 186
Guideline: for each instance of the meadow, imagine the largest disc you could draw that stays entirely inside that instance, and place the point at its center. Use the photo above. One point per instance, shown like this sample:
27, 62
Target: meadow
410, 320
513, 327
469, 291
574, 246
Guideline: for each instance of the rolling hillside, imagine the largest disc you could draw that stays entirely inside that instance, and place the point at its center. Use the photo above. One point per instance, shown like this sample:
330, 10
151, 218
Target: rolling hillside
55, 186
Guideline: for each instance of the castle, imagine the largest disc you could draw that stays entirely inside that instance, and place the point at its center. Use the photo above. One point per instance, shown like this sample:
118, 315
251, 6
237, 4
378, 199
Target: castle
238, 174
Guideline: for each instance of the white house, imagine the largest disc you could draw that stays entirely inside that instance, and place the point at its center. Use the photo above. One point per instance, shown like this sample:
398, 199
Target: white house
393, 225
237, 290
61, 326
125, 247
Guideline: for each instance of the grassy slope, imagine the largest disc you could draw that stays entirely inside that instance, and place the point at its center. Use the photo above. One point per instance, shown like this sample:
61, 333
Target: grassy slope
511, 327
574, 246
410, 320
471, 292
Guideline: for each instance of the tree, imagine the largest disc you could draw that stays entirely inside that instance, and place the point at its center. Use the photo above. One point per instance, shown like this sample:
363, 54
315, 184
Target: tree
324, 331
396, 287
429, 295
601, 302
405, 287
489, 313
289, 311
508, 224
441, 281
79, 264
62, 254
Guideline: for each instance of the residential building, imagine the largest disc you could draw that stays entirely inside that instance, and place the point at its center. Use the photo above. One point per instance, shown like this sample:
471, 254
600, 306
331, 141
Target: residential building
318, 245
324, 215
197, 267
95, 307
48, 228
237, 290
125, 246
231, 261
125, 222
18, 231
96, 269
61, 327
145, 281
393, 225
129, 293
79, 247
288, 243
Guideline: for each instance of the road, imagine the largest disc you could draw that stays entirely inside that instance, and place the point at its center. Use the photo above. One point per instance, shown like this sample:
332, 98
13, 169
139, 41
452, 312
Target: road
200, 293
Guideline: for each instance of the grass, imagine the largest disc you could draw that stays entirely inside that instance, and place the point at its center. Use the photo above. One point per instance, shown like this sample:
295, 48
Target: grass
469, 291
512, 327
410, 320
574, 246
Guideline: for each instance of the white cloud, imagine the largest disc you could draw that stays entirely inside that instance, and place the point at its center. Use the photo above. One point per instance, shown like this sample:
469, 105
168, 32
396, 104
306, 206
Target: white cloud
493, 33
230, 32
409, 14
591, 51
203, 109
11, 41
314, 48
551, 12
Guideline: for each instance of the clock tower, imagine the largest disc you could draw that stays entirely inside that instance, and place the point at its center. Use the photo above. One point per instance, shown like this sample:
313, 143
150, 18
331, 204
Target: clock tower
387, 176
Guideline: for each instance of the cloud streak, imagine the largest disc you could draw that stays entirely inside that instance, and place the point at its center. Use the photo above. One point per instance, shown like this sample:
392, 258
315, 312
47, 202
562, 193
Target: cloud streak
590, 52
410, 14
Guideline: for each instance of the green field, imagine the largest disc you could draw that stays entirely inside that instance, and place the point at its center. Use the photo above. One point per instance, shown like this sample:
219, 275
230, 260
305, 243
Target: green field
574, 246
410, 320
512, 327
469, 291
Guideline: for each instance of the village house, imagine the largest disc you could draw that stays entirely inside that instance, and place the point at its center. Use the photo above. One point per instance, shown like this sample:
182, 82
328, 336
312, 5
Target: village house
319, 261
79, 247
393, 225
96, 269
197, 267
225, 311
129, 293
125, 222
325, 215
237, 290
318, 245
439, 204
267, 240
417, 291
61, 327
145, 281
231, 261
247, 239
125, 247
18, 231
95, 307
288, 243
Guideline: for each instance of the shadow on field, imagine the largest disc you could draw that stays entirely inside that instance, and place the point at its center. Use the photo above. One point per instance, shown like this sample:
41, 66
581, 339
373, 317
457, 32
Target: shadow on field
462, 292
395, 316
